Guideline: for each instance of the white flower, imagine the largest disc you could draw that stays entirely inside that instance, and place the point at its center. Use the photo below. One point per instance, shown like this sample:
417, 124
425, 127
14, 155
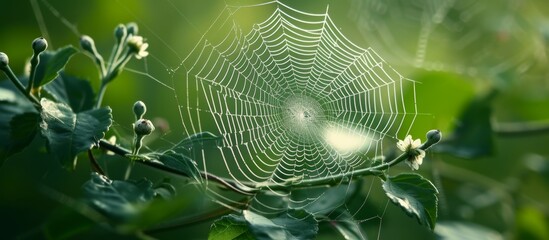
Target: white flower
411, 147
137, 46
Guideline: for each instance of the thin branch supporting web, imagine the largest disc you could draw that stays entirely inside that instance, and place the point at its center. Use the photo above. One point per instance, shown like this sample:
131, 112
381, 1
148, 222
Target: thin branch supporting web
292, 98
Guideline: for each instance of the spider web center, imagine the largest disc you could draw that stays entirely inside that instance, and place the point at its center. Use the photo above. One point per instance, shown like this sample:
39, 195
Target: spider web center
303, 117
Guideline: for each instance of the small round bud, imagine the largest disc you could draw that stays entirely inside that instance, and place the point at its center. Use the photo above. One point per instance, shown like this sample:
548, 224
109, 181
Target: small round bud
87, 43
143, 127
39, 45
139, 109
4, 60
120, 32
132, 28
434, 136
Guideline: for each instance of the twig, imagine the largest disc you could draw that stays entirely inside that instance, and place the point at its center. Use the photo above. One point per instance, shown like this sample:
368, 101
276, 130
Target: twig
249, 188
228, 183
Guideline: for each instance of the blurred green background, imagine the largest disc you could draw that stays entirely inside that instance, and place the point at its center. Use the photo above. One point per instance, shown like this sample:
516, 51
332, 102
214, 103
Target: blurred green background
482, 67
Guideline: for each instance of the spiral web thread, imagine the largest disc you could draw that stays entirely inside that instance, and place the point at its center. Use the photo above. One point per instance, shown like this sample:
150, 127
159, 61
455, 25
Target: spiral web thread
292, 98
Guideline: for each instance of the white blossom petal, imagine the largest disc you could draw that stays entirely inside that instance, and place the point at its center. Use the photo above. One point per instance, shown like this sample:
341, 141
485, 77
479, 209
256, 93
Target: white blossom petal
411, 147
413, 164
416, 143
404, 145
421, 155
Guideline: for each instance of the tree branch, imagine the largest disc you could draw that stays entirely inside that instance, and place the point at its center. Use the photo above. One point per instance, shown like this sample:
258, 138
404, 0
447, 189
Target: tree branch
228, 183
250, 188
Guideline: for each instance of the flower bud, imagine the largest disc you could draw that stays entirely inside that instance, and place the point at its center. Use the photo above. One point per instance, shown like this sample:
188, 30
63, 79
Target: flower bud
87, 43
4, 60
39, 45
434, 136
143, 127
139, 109
120, 32
132, 28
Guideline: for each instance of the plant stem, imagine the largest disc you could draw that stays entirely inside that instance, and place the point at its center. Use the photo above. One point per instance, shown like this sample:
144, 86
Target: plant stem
95, 165
521, 129
228, 183
101, 63
35, 60
108, 77
345, 177
128, 170
7, 70
115, 54
118, 66
101, 94
249, 188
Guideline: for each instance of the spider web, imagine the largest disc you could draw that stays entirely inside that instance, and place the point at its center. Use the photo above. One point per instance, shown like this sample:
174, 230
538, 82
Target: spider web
292, 98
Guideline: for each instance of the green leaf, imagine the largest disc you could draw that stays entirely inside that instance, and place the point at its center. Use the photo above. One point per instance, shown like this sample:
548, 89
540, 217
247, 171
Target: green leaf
293, 224
51, 62
179, 162
472, 136
165, 189
200, 137
328, 198
23, 129
73, 91
158, 211
117, 200
451, 230
18, 123
416, 195
230, 227
69, 133
20, 133
347, 226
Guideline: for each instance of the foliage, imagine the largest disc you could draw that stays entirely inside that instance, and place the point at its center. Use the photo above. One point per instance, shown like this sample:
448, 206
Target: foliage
68, 122
118, 201
293, 224
51, 64
69, 133
415, 195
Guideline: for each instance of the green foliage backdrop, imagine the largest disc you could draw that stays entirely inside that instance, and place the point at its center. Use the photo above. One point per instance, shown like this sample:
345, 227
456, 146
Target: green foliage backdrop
483, 70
